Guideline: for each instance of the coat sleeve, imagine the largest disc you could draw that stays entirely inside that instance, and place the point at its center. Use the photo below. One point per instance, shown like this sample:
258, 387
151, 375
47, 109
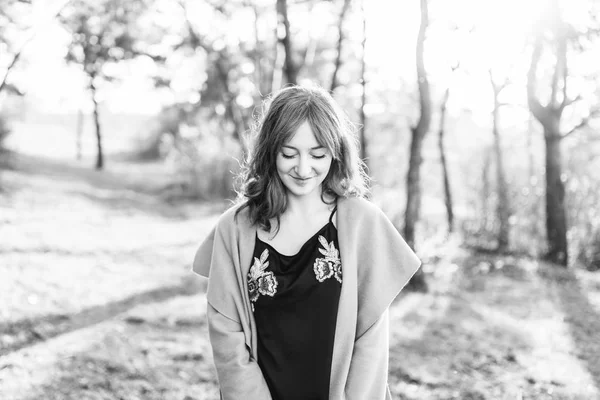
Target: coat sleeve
367, 378
202, 259
239, 375
238, 372
385, 265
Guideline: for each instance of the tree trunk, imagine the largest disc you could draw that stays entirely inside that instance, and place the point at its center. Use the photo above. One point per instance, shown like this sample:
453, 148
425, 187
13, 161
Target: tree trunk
232, 111
413, 187
363, 94
502, 207
533, 182
278, 67
79, 134
447, 191
338, 58
549, 116
264, 68
413, 182
290, 68
530, 155
556, 223
258, 65
485, 189
100, 154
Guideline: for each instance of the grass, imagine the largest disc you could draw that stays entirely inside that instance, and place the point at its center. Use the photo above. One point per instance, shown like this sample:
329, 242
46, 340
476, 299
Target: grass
497, 329
97, 302
156, 351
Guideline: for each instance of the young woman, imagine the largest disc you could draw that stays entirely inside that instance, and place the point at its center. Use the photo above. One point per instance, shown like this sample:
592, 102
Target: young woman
303, 269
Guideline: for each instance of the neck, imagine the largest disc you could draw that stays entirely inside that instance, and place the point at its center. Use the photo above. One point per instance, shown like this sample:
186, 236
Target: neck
305, 205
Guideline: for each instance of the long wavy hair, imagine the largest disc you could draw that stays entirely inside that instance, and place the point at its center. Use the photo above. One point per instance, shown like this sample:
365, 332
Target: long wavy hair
260, 188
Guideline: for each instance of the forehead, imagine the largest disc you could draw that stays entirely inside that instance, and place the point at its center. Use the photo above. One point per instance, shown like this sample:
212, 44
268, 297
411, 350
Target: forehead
303, 138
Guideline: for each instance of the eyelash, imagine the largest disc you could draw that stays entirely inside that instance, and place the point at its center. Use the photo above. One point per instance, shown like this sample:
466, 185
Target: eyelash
289, 157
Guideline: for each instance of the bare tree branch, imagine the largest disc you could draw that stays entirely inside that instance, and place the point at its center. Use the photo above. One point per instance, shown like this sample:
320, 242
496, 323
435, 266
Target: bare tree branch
568, 102
455, 66
197, 41
564, 101
338, 58
220, 7
534, 103
584, 122
14, 62
498, 87
17, 55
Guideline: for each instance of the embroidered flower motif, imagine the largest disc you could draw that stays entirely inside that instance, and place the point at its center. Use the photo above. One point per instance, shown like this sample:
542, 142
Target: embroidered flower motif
253, 289
323, 269
330, 265
267, 284
259, 281
337, 272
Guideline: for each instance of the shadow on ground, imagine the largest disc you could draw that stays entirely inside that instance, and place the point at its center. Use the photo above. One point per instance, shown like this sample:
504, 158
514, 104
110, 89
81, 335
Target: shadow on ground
28, 332
157, 352
477, 339
582, 317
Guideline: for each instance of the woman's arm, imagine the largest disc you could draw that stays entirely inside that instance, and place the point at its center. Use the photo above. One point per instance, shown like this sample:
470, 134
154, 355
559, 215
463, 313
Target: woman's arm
368, 375
239, 375
385, 264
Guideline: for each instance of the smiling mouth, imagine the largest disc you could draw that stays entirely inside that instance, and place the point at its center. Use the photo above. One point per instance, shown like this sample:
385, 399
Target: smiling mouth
302, 179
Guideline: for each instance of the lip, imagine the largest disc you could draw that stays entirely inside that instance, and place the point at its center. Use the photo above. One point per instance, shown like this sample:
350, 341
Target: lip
301, 179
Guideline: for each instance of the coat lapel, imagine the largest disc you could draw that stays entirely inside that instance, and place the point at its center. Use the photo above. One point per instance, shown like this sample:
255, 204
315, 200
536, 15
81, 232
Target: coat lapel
347, 310
246, 239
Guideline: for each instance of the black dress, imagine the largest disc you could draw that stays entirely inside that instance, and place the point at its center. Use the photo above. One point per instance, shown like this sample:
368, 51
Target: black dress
295, 304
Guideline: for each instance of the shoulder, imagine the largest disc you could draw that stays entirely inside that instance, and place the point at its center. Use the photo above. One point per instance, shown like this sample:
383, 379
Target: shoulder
362, 217
234, 218
358, 207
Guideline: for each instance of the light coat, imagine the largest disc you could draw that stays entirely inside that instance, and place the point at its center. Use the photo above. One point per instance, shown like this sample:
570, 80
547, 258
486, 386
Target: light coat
376, 265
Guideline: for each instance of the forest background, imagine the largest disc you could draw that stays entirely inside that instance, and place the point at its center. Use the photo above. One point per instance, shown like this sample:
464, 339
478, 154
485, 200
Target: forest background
122, 125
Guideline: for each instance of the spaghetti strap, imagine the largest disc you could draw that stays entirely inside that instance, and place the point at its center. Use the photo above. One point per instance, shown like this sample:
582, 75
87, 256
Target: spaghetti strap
333, 212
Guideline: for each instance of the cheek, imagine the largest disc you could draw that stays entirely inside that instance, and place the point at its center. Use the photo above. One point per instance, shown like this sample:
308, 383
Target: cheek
325, 166
283, 165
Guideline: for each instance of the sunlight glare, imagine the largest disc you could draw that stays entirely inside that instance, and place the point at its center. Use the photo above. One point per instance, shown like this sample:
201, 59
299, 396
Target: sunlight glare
502, 31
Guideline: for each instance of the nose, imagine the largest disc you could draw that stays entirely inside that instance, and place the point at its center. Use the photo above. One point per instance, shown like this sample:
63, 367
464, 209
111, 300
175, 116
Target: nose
303, 167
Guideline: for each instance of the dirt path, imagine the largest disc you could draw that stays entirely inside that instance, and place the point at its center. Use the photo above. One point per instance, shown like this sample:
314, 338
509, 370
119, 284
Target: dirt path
27, 332
80, 250
153, 351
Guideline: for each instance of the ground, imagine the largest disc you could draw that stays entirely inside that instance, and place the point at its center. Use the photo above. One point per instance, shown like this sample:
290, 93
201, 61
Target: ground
97, 302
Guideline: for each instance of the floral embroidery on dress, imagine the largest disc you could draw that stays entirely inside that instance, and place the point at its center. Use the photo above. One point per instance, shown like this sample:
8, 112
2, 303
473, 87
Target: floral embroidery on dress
259, 281
330, 265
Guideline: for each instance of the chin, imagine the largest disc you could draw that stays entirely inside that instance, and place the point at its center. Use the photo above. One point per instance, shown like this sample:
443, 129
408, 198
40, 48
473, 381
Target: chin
296, 191
299, 190
301, 193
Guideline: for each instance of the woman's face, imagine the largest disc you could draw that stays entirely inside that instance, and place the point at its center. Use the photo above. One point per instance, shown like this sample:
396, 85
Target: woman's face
302, 163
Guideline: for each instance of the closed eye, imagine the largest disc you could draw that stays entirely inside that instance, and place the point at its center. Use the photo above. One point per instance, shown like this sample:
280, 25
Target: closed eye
290, 156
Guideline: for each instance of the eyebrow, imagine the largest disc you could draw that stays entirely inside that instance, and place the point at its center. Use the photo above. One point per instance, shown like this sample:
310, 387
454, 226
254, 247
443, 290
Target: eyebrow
312, 148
